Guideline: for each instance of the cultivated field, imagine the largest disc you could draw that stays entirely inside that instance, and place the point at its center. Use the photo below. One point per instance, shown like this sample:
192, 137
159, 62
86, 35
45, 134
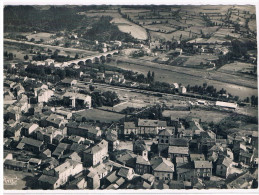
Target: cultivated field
237, 67
100, 115
126, 26
206, 116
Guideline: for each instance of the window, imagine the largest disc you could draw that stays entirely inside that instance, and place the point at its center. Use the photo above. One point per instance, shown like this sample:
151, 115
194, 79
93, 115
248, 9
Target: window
162, 141
166, 141
198, 170
208, 170
198, 174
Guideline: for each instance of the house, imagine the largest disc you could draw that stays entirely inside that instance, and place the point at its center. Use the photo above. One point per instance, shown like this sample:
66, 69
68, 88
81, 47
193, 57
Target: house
139, 146
47, 134
65, 113
126, 173
246, 157
15, 165
32, 145
54, 120
77, 100
14, 132
150, 126
43, 95
78, 183
69, 82
162, 168
223, 166
130, 127
60, 150
93, 181
84, 130
182, 89
29, 128
186, 172
112, 138
45, 154
195, 157
142, 164
96, 154
203, 169
175, 151
60, 175
226, 105
8, 156
49, 62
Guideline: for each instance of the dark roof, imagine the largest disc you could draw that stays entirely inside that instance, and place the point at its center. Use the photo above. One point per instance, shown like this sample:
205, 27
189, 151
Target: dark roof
123, 172
224, 161
165, 132
15, 163
179, 142
31, 142
48, 179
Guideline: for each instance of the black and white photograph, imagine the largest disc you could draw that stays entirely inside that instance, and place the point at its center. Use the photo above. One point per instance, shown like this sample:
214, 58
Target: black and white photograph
145, 97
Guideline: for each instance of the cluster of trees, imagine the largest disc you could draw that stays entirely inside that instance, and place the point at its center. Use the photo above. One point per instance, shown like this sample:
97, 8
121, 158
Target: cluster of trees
209, 90
9, 56
105, 31
30, 18
253, 100
107, 98
42, 71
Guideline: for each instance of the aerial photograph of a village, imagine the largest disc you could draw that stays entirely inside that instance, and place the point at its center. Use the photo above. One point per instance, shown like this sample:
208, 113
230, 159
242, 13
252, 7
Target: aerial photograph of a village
111, 97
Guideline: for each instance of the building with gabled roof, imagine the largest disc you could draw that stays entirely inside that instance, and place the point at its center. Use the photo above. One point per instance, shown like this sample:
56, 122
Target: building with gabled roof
223, 166
96, 154
162, 168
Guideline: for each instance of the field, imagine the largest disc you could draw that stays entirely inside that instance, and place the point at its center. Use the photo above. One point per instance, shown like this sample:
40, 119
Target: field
173, 74
206, 116
126, 26
237, 67
100, 115
41, 35
195, 61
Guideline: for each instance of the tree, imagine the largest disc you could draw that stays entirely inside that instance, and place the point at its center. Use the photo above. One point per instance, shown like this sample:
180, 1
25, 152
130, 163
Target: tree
10, 56
76, 56
26, 57
153, 76
91, 87
148, 76
32, 39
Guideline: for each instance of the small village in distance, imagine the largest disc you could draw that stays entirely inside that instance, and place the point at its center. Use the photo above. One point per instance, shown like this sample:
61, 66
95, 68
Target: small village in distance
130, 97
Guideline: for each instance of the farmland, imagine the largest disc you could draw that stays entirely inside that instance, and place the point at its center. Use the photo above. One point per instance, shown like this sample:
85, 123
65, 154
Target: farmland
206, 116
100, 115
172, 74
126, 26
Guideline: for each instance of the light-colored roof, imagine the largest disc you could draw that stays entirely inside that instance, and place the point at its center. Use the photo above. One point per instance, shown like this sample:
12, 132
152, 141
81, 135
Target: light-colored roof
141, 160
226, 104
178, 150
202, 164
151, 123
